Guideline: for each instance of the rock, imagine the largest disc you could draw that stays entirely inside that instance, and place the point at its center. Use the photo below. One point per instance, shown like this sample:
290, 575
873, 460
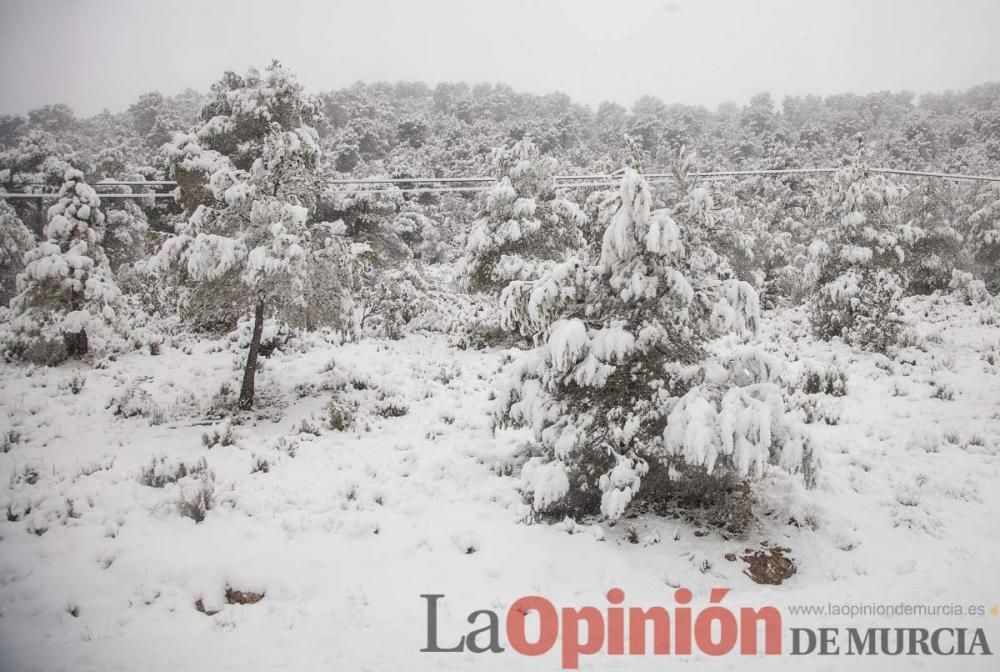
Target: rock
200, 606
242, 597
769, 566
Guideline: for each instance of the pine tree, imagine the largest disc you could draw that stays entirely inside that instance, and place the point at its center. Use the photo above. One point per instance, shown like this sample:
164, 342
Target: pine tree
66, 290
525, 225
621, 394
937, 244
389, 286
126, 227
249, 178
15, 241
856, 262
984, 226
776, 211
37, 163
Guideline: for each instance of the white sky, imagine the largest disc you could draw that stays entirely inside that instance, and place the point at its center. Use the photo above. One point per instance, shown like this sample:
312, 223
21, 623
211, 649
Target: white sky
95, 54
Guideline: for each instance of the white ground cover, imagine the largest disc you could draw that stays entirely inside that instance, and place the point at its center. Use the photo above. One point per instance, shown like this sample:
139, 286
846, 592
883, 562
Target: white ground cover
346, 529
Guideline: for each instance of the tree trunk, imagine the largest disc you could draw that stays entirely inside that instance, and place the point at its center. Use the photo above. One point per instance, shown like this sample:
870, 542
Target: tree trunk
247, 390
77, 344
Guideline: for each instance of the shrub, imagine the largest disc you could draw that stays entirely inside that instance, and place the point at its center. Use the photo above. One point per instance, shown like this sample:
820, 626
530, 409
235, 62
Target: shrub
222, 435
133, 401
162, 470
9, 439
338, 415
260, 465
969, 290
75, 383
391, 408
943, 391
197, 495
825, 380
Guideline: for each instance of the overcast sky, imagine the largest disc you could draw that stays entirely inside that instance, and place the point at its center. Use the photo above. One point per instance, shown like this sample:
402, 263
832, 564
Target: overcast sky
96, 54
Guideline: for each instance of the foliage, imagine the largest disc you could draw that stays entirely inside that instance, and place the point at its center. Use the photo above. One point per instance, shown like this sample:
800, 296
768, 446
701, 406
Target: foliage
857, 260
621, 391
525, 223
66, 292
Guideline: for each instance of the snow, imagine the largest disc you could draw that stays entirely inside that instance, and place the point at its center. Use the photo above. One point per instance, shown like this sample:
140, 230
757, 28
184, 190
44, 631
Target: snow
546, 481
346, 529
212, 256
664, 236
620, 485
568, 343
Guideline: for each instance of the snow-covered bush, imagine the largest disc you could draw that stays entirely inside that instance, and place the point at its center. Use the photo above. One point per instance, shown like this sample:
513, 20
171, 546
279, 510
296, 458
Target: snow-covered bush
66, 293
622, 395
131, 400
146, 294
856, 261
830, 380
421, 234
162, 470
525, 225
970, 290
392, 300
196, 494
339, 415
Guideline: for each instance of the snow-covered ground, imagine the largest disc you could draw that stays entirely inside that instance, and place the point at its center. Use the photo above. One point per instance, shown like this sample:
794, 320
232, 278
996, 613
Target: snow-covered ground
344, 530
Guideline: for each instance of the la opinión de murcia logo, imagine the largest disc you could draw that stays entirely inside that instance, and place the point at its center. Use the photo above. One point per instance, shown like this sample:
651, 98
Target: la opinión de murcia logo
713, 630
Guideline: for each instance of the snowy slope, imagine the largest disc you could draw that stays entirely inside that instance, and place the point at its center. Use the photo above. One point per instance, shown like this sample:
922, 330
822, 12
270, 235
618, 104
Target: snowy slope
346, 529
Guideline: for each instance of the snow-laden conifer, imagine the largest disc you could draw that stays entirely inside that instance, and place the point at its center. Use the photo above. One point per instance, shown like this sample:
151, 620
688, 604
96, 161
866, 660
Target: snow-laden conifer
984, 225
856, 262
249, 179
525, 225
622, 394
15, 240
66, 292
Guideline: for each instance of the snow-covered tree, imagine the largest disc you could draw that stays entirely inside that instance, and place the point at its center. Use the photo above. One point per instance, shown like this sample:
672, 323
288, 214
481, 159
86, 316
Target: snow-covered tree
126, 226
66, 292
984, 226
525, 226
723, 224
775, 210
392, 237
249, 178
621, 394
392, 299
15, 241
421, 234
937, 244
36, 164
856, 261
